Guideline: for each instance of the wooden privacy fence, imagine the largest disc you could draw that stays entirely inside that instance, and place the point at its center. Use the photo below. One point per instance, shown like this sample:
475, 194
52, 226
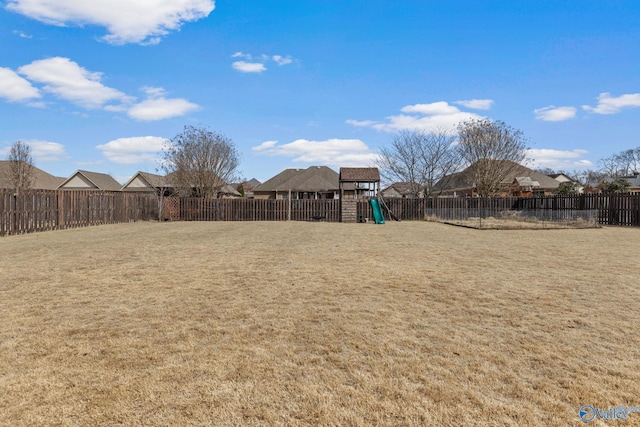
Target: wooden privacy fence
608, 210
193, 209
28, 211
622, 209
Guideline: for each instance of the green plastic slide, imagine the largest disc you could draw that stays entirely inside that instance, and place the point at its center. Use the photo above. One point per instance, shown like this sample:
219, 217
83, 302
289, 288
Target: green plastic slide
377, 211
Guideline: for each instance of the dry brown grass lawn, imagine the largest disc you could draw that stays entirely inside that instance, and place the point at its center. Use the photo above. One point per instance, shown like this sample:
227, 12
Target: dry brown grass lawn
409, 323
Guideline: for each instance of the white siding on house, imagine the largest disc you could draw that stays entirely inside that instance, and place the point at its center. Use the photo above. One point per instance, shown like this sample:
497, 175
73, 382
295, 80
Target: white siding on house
78, 181
137, 183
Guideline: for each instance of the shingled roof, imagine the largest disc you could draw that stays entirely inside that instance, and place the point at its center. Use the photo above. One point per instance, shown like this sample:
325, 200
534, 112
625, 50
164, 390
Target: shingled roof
42, 180
464, 180
359, 174
145, 181
404, 188
314, 178
85, 180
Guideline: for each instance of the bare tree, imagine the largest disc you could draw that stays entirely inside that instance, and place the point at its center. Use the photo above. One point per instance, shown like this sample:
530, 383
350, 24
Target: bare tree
419, 158
589, 176
493, 150
630, 161
199, 162
610, 166
21, 173
624, 163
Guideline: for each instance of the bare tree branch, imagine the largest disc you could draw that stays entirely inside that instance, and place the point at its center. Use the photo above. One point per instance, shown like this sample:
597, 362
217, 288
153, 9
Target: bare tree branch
21, 173
419, 159
493, 150
199, 162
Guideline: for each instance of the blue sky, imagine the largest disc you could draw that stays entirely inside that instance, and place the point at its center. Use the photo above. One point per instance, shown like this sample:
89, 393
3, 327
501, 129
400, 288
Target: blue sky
101, 85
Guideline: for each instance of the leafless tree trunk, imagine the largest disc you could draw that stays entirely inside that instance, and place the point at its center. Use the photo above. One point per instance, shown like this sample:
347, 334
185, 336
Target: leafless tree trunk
21, 174
199, 162
160, 194
419, 159
493, 150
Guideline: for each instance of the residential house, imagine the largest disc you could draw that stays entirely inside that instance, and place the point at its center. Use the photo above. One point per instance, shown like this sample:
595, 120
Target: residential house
85, 180
524, 186
41, 179
315, 182
462, 183
560, 177
359, 183
403, 190
596, 187
148, 182
228, 191
247, 187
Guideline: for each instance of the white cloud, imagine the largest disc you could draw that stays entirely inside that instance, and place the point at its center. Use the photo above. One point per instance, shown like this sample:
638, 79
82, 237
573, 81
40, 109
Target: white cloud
423, 117
161, 108
342, 152
435, 108
252, 64
67, 80
248, 67
127, 21
559, 159
282, 60
361, 123
555, 114
476, 104
22, 34
133, 150
14, 88
267, 145
608, 104
157, 107
41, 151
46, 151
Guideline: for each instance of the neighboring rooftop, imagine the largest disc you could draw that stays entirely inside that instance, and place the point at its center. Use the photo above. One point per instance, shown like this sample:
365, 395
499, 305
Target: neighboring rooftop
464, 180
145, 181
42, 180
314, 178
86, 180
359, 174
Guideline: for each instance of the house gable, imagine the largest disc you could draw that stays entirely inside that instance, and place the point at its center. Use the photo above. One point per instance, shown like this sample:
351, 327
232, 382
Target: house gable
138, 183
79, 181
143, 181
85, 180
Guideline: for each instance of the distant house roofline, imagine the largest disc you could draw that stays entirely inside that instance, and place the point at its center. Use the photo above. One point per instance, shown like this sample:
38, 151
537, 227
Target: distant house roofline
101, 181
